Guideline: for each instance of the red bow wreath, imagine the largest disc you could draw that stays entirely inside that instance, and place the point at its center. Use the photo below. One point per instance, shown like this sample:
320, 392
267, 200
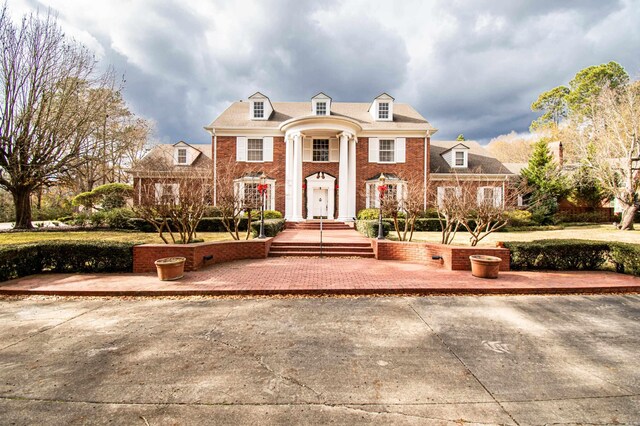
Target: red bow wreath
262, 188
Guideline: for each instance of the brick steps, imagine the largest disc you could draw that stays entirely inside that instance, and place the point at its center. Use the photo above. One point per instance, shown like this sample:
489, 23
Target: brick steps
330, 225
312, 249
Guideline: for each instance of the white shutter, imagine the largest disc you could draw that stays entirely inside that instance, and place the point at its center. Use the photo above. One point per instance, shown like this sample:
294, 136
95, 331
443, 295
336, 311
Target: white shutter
267, 149
241, 148
440, 195
458, 192
497, 196
175, 191
334, 150
307, 149
480, 195
374, 150
401, 144
158, 191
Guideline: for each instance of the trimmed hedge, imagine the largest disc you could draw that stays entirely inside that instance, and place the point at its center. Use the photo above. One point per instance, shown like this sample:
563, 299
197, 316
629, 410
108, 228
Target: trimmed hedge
370, 227
563, 255
19, 260
271, 227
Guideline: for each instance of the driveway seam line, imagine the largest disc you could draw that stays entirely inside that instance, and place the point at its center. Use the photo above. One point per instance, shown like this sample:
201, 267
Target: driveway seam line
463, 363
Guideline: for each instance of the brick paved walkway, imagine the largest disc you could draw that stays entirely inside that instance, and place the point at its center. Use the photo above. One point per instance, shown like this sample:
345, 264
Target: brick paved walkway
318, 276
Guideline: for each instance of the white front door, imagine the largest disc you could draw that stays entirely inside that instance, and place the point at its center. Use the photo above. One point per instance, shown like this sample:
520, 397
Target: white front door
319, 206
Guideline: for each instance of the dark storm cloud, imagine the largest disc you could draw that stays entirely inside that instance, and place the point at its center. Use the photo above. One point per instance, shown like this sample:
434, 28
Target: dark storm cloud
470, 67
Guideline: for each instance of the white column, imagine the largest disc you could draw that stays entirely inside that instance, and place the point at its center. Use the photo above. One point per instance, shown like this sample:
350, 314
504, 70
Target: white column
343, 193
352, 179
288, 178
297, 178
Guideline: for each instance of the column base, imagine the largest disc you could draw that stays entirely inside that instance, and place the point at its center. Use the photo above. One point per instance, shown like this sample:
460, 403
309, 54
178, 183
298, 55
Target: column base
344, 219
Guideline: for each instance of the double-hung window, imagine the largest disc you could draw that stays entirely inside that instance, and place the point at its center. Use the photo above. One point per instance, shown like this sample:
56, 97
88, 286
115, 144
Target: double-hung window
252, 198
460, 159
182, 156
387, 151
320, 150
383, 110
258, 109
321, 108
255, 150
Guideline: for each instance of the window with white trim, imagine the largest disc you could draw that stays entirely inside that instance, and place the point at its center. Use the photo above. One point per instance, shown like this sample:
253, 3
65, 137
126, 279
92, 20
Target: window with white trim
167, 193
491, 195
258, 109
247, 189
182, 156
393, 192
255, 149
448, 193
460, 158
320, 150
383, 110
387, 151
321, 108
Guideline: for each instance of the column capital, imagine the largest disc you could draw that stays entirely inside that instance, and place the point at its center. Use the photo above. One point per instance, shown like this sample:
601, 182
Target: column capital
293, 136
346, 135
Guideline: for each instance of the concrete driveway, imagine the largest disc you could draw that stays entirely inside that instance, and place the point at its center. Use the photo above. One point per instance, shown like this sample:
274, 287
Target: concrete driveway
397, 360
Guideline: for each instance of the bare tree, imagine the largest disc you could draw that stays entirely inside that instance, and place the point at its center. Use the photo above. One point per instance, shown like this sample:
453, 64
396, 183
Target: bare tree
408, 198
173, 199
613, 135
480, 207
44, 119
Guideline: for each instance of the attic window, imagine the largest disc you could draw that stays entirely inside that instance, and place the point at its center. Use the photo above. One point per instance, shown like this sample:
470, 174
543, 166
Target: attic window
182, 156
321, 108
459, 159
383, 110
258, 109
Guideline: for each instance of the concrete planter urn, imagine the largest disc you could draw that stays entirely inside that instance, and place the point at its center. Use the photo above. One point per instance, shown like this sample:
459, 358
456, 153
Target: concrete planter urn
485, 266
170, 268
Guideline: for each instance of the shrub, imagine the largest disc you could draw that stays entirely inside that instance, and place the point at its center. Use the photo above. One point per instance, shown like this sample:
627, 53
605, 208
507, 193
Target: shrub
368, 214
97, 218
625, 257
272, 214
519, 218
80, 219
19, 260
430, 213
118, 218
558, 254
369, 228
271, 227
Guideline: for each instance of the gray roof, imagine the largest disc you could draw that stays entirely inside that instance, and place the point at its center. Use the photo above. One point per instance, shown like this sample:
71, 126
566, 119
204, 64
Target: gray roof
161, 156
404, 116
479, 160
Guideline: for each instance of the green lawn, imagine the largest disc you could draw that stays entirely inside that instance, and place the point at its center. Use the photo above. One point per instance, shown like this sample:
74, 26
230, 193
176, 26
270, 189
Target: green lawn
142, 237
593, 232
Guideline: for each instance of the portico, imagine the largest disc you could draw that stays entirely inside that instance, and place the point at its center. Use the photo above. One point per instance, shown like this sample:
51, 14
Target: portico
319, 142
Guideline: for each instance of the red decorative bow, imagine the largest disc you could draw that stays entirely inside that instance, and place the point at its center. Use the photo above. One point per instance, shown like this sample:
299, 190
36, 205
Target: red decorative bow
262, 188
383, 189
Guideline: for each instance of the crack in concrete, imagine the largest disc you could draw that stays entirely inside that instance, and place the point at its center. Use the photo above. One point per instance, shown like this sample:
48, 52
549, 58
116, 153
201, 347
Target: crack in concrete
416, 416
263, 364
51, 327
463, 364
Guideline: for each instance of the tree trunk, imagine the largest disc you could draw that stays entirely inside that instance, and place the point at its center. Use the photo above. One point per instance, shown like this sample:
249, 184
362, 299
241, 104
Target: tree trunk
629, 213
22, 203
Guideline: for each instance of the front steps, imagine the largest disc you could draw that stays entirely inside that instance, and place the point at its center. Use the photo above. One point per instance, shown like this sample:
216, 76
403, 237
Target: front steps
312, 249
315, 225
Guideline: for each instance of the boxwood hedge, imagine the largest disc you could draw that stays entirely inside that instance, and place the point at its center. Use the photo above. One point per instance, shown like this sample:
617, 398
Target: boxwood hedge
19, 260
574, 255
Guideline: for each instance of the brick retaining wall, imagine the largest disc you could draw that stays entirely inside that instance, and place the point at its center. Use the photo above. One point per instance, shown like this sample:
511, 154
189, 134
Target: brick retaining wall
145, 255
454, 258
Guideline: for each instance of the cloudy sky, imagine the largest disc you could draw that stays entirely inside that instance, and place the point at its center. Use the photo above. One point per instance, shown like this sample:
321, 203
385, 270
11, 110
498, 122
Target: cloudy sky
468, 66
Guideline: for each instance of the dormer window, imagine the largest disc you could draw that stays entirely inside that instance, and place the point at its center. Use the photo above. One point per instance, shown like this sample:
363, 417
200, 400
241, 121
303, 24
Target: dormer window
383, 111
258, 109
321, 108
321, 104
460, 158
182, 155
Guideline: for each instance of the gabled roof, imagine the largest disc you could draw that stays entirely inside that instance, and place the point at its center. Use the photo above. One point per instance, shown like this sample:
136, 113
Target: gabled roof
259, 95
321, 95
479, 159
161, 156
384, 95
458, 146
405, 117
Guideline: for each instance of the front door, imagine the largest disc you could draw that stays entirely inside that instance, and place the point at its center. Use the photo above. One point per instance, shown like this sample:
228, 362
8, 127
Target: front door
320, 198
